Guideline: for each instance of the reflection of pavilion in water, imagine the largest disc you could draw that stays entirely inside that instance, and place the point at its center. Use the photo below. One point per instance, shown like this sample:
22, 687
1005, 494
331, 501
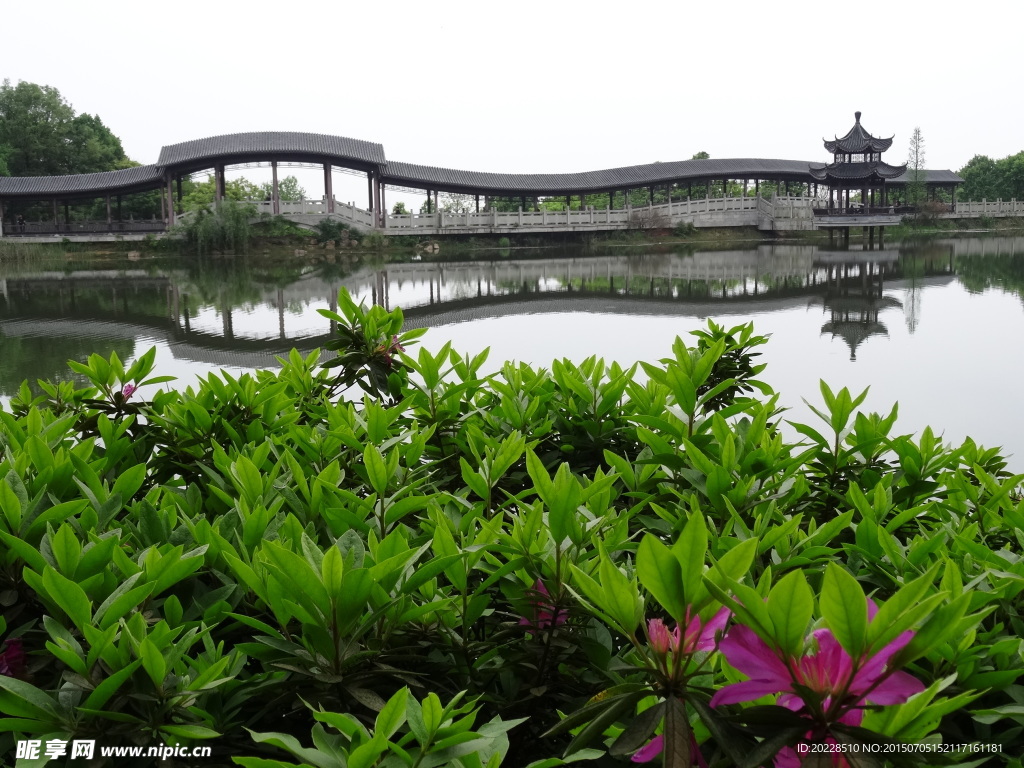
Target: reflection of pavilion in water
167, 305
853, 296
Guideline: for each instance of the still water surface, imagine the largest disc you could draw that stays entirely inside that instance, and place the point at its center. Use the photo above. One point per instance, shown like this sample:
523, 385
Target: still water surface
937, 327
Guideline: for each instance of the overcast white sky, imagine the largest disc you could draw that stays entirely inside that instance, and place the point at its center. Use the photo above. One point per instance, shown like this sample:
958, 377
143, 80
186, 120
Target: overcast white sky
536, 86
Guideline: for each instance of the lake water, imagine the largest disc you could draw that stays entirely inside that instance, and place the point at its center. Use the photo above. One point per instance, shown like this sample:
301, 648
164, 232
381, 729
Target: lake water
936, 326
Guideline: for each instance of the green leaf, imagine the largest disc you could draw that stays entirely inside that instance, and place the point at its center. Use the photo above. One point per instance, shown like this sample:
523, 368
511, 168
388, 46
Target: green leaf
376, 470
122, 600
190, 731
691, 550
791, 604
129, 481
661, 574
67, 550
31, 702
70, 597
102, 693
392, 716
845, 608
153, 662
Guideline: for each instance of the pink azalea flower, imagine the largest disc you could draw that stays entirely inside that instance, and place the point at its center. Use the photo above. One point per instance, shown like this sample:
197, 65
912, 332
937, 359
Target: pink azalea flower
12, 660
702, 637
830, 673
656, 746
389, 349
696, 636
544, 614
128, 390
662, 641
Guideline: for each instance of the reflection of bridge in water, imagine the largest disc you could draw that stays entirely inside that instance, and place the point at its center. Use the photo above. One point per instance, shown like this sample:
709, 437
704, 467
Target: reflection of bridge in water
167, 305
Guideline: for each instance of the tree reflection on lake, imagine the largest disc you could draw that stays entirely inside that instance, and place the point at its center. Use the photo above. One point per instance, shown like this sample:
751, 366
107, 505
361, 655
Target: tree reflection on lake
924, 324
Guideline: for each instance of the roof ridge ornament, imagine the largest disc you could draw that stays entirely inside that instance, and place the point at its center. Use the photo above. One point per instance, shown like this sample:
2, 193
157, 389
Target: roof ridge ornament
856, 116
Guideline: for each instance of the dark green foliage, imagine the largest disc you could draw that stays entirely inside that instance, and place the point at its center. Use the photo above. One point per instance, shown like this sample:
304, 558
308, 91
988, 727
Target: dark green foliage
255, 552
44, 137
228, 227
988, 179
329, 229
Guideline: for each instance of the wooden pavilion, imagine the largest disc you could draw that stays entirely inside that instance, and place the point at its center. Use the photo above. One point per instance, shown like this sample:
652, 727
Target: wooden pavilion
857, 166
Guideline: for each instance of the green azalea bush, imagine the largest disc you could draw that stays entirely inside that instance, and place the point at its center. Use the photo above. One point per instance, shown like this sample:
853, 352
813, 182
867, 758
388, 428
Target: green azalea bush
534, 567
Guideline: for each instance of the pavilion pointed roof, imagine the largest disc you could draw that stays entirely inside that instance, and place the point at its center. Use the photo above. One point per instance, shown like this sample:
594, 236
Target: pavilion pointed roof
858, 140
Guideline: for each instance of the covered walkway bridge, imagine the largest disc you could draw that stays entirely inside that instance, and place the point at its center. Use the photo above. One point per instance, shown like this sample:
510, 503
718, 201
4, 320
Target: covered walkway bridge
676, 182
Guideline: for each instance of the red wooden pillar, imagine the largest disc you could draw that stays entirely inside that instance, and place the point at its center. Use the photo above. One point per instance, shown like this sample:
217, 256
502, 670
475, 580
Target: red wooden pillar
369, 190
170, 201
56, 216
108, 210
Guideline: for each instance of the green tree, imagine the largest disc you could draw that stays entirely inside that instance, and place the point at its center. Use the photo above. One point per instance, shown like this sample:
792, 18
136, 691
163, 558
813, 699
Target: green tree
93, 148
5, 152
399, 209
201, 194
34, 122
453, 202
1012, 177
44, 137
916, 173
288, 189
702, 155
981, 178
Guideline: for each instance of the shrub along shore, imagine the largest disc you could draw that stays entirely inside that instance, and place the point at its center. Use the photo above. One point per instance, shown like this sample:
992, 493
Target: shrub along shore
538, 567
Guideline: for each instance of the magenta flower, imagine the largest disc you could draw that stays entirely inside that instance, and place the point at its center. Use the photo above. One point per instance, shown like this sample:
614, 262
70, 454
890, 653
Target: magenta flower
544, 614
656, 746
662, 641
696, 636
842, 686
389, 349
702, 637
128, 390
13, 661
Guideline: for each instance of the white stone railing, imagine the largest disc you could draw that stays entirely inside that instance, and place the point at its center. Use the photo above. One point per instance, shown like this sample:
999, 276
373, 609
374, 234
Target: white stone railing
793, 207
605, 218
344, 211
990, 208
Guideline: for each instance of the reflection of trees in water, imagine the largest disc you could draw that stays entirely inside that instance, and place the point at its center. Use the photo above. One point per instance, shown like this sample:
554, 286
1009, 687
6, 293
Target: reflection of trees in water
227, 285
34, 357
979, 273
86, 298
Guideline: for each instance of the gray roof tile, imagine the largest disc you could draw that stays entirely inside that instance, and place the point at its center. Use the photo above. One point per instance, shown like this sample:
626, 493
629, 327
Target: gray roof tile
269, 142
127, 179
423, 176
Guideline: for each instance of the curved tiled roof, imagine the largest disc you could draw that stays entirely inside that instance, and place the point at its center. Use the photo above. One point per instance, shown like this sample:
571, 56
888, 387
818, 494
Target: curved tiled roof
853, 171
448, 179
858, 140
269, 143
190, 156
139, 178
930, 177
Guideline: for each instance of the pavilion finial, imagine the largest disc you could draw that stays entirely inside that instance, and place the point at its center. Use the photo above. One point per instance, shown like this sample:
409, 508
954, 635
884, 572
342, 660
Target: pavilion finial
857, 116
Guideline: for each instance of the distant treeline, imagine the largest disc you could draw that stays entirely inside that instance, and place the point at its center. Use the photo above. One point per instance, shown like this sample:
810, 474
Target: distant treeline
988, 179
